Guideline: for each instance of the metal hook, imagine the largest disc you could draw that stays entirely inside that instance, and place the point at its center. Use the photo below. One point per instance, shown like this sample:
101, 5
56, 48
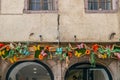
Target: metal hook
40, 37
75, 37
112, 35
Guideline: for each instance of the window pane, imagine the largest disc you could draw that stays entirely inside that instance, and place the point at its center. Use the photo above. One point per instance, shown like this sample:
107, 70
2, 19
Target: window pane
102, 1
41, 4
32, 7
95, 0
89, 6
45, 7
99, 4
37, 0
108, 6
98, 74
95, 5
108, 0
37, 6
31, 1
102, 6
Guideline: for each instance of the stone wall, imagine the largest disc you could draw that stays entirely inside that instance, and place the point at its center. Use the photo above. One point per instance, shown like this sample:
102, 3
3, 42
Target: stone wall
15, 25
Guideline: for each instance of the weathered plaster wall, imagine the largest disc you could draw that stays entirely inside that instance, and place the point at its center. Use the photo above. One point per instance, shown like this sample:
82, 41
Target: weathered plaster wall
16, 25
12, 6
86, 26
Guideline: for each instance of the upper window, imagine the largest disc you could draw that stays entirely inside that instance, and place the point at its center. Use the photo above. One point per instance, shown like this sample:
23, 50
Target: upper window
101, 5
40, 5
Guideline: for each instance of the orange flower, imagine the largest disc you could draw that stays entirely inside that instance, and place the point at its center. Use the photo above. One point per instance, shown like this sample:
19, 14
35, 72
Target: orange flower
70, 54
95, 47
7, 48
47, 48
87, 52
11, 60
41, 57
15, 58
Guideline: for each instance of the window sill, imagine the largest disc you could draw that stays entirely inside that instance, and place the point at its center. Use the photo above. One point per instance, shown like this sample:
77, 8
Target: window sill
101, 11
41, 11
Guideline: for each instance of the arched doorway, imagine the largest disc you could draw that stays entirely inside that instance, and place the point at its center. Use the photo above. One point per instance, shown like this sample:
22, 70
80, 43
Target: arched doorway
84, 71
29, 70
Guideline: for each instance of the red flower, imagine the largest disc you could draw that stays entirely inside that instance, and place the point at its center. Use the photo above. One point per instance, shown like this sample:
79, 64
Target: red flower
1, 45
95, 47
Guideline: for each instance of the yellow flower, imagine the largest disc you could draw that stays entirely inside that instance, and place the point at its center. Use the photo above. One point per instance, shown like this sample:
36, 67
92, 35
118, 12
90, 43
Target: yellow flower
35, 48
38, 47
77, 54
15, 58
0, 53
104, 56
3, 52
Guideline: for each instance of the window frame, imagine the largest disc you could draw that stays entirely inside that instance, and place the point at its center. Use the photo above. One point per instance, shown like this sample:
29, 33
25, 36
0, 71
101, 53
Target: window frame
102, 11
26, 8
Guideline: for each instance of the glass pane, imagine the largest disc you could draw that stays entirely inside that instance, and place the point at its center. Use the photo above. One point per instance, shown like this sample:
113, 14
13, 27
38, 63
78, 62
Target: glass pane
31, 1
37, 0
37, 6
90, 0
45, 6
89, 6
32, 7
75, 75
29, 71
102, 1
102, 6
108, 0
98, 74
95, 0
108, 6
95, 6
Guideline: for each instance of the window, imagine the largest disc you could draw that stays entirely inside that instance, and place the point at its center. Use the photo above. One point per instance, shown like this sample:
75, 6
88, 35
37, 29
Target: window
84, 71
101, 5
29, 70
40, 5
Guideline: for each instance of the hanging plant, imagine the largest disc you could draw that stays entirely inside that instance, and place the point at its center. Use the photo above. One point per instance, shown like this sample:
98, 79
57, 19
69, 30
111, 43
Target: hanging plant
92, 59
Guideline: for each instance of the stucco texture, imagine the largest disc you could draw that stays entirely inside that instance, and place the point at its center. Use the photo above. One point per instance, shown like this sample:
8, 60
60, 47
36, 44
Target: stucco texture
15, 25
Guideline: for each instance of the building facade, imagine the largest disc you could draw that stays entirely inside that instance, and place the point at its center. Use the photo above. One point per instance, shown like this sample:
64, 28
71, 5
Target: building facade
58, 23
